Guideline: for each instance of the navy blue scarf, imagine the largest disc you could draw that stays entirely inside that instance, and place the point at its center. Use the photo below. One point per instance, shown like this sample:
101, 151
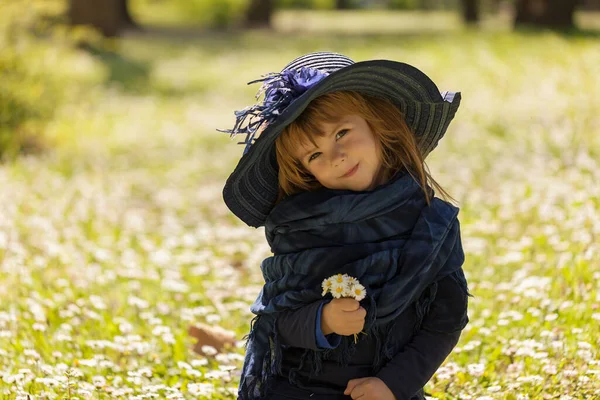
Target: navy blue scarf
395, 244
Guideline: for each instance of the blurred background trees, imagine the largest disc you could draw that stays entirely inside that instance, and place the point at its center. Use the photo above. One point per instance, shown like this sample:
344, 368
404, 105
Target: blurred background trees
546, 13
470, 9
109, 16
24, 36
258, 14
113, 16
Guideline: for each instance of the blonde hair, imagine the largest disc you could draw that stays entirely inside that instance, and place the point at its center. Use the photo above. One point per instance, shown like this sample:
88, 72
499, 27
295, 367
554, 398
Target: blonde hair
398, 144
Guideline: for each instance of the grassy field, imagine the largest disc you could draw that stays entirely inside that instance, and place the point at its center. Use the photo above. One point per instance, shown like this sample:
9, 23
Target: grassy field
115, 242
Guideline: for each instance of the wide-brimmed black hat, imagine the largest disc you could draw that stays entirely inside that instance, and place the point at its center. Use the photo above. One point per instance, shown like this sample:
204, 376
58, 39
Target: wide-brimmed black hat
252, 189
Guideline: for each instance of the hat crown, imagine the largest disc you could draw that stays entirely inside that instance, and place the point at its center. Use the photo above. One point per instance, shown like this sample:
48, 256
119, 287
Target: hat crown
322, 60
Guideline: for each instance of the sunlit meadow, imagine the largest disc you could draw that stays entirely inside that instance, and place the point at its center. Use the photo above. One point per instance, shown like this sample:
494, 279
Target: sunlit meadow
117, 242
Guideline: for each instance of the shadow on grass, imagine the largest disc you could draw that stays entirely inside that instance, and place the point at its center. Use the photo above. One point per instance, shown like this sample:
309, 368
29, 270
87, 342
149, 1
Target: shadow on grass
133, 74
130, 75
237, 36
265, 39
242, 42
572, 33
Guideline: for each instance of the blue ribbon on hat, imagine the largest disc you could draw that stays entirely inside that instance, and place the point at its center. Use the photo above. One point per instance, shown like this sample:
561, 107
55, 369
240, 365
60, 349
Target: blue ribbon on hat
280, 89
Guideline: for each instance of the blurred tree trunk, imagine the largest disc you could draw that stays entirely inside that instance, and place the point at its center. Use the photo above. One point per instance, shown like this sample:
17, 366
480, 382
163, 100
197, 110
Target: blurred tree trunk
109, 16
470, 10
259, 14
427, 4
546, 13
126, 15
494, 6
591, 5
342, 4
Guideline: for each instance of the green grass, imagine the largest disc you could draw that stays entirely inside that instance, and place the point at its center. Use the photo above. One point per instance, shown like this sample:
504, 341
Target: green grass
112, 244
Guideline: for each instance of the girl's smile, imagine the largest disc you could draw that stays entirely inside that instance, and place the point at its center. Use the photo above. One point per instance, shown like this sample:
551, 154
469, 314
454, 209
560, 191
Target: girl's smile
347, 155
351, 172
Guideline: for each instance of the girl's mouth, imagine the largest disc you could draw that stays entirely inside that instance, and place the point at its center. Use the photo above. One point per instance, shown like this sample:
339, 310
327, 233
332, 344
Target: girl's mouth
351, 172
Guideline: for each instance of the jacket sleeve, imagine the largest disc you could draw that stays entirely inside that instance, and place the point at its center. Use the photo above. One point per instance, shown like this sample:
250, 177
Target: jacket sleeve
297, 328
412, 367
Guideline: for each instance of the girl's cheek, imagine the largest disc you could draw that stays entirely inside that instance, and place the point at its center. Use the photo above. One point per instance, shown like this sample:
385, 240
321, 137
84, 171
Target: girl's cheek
351, 144
319, 165
323, 173
315, 170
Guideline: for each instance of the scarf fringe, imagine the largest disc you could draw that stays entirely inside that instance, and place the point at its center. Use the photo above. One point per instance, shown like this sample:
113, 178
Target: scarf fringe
423, 304
459, 277
251, 386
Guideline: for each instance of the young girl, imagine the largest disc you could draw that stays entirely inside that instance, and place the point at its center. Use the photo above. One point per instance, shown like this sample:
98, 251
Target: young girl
334, 169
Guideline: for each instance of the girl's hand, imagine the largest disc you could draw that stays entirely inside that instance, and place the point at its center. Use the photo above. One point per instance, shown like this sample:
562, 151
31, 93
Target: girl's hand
344, 316
369, 388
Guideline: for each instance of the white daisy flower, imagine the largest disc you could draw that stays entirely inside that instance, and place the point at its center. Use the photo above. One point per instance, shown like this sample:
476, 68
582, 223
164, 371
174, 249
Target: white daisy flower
337, 290
358, 291
341, 279
326, 285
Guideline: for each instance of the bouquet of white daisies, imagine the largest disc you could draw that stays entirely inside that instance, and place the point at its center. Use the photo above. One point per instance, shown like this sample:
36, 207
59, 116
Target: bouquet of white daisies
343, 285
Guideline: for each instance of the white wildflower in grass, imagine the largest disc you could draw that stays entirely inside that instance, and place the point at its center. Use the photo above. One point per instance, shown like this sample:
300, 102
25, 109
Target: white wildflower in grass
213, 318
168, 338
216, 374
471, 345
549, 369
494, 389
343, 285
99, 381
209, 350
183, 365
125, 327
199, 363
193, 373
530, 379
39, 327
551, 317
201, 389
476, 370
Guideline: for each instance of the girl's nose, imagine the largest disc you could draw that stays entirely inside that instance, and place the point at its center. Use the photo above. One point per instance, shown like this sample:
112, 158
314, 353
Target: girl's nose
338, 155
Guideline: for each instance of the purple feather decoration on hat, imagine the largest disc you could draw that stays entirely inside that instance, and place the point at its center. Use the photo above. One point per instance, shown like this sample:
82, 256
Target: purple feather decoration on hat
280, 90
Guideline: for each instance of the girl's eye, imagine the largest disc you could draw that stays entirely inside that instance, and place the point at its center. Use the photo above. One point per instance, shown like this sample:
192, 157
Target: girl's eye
338, 135
345, 131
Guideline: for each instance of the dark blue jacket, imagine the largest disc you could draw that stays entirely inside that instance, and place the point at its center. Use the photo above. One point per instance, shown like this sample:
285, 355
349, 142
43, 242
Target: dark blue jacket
417, 356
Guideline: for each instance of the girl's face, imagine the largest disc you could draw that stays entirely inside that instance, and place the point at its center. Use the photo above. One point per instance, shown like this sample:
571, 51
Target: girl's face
347, 157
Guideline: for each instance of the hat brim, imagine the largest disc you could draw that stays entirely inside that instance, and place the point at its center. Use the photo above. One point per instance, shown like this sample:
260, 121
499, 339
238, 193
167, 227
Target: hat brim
252, 188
